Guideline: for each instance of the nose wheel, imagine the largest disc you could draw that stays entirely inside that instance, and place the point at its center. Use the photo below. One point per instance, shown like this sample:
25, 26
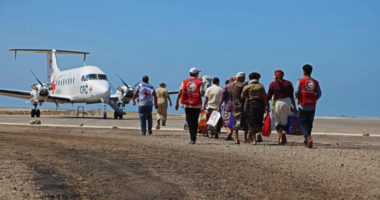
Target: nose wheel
117, 115
35, 113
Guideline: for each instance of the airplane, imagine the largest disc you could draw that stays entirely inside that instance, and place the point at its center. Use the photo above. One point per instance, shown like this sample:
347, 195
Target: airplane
87, 84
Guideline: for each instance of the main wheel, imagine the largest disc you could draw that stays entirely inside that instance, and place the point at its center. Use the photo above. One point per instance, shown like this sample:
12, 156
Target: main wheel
38, 113
121, 116
33, 113
115, 115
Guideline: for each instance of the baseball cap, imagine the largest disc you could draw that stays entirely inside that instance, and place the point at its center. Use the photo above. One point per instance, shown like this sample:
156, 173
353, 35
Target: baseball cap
194, 70
240, 74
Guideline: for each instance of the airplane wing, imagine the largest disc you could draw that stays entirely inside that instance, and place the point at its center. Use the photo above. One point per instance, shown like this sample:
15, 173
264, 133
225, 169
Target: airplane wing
58, 99
114, 97
27, 95
16, 93
173, 92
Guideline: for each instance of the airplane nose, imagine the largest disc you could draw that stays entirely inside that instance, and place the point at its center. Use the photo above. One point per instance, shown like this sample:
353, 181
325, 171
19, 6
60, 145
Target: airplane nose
103, 90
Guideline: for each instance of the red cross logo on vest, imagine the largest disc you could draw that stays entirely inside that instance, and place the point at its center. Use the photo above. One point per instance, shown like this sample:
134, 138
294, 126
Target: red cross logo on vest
146, 93
191, 86
309, 85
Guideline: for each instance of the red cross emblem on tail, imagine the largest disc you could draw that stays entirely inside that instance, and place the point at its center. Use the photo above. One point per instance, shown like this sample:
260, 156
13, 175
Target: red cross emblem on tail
53, 85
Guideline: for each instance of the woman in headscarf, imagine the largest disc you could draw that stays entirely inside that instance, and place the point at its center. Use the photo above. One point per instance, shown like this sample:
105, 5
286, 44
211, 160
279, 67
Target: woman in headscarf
282, 91
256, 102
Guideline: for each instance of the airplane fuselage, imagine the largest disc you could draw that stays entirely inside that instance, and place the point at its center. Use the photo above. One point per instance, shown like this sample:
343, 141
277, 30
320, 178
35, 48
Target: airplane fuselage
87, 84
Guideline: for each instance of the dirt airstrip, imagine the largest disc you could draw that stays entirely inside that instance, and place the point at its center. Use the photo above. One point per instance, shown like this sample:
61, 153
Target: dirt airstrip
40, 162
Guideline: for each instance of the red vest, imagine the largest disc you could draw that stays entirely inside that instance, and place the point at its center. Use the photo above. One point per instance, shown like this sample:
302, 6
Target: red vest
191, 92
308, 95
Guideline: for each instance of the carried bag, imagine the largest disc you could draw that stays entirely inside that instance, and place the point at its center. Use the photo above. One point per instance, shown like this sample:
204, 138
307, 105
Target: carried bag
295, 126
266, 127
214, 118
202, 120
272, 122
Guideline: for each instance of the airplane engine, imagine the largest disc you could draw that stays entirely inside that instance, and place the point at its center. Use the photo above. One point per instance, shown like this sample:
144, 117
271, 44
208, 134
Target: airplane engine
125, 94
42, 91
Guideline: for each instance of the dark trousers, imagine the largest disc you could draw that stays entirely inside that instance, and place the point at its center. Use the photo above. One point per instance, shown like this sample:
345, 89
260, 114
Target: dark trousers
192, 115
145, 113
307, 118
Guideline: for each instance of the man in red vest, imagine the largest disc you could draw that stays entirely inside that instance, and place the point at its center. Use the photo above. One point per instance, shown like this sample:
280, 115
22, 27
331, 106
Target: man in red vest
190, 93
307, 92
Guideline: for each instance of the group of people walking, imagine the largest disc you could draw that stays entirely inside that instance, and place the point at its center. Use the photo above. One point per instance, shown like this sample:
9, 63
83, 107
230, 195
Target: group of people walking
245, 104
242, 104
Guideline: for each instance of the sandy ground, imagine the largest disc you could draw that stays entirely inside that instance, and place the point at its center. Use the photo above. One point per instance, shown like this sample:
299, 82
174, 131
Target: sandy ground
46, 162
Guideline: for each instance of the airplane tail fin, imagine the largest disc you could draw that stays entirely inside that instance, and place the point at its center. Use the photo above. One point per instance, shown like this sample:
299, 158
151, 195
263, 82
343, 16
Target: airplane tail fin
52, 67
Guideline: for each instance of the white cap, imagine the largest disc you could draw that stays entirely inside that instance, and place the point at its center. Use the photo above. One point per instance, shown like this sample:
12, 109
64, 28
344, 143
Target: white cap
240, 74
194, 70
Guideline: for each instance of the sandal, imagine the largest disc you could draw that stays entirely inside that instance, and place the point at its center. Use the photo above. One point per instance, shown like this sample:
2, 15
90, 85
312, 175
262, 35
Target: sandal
283, 138
309, 142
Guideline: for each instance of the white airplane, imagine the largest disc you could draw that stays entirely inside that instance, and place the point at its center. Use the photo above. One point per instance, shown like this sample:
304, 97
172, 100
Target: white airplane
86, 84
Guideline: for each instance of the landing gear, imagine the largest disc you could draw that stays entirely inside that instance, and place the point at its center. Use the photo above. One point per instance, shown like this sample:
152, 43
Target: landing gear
35, 112
104, 112
117, 115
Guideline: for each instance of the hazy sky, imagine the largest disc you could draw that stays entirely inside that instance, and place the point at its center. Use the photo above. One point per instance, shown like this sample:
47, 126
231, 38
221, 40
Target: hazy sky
163, 39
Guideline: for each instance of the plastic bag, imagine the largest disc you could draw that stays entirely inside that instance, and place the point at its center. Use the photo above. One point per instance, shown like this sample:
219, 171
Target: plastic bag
266, 127
294, 125
202, 120
272, 122
214, 118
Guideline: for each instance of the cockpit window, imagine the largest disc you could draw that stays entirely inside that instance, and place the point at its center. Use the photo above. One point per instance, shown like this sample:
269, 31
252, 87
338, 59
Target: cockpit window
96, 77
102, 77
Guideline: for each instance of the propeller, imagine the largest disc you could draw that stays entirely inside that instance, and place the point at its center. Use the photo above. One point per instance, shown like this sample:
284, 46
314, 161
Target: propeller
38, 80
123, 82
43, 90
